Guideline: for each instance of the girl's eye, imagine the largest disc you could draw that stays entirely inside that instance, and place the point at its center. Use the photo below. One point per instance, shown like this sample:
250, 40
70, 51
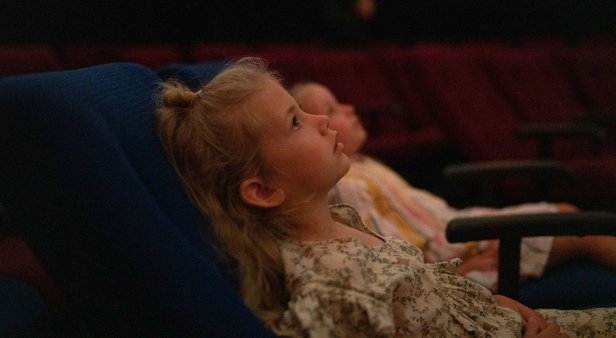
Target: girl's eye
295, 123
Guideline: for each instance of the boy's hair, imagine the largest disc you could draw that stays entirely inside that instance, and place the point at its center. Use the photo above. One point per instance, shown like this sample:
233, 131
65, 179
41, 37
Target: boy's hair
212, 140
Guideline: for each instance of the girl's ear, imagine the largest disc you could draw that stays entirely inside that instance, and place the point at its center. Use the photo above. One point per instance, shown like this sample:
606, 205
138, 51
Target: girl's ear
255, 192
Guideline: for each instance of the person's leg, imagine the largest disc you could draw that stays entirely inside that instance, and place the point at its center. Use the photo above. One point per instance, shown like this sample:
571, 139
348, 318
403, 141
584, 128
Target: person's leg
597, 249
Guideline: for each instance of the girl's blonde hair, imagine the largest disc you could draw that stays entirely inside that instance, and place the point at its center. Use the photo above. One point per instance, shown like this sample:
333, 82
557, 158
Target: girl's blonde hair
212, 140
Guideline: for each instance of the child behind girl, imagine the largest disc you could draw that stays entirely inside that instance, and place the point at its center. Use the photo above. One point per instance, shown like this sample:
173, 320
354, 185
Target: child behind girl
260, 168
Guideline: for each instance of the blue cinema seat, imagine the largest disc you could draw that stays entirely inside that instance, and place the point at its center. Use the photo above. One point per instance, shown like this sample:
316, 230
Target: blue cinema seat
84, 179
23, 312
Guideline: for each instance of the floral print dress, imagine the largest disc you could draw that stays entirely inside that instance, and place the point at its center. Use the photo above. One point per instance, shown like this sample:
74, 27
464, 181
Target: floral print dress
344, 288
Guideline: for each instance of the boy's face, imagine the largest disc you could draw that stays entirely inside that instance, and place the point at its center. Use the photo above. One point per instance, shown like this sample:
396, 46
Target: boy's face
304, 156
318, 100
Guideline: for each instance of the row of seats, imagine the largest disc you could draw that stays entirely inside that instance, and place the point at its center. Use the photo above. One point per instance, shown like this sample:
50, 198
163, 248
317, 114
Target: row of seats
429, 104
586, 68
87, 185
496, 102
591, 62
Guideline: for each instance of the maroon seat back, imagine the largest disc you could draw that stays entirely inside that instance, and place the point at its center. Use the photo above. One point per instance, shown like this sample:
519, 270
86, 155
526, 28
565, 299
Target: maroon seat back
464, 101
536, 89
357, 76
202, 52
594, 69
24, 59
154, 56
290, 60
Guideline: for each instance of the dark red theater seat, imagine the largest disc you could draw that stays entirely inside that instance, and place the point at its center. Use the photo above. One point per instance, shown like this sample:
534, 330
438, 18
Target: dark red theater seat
220, 51
358, 76
78, 55
83, 54
536, 88
24, 59
464, 101
593, 66
290, 60
152, 55
482, 121
18, 261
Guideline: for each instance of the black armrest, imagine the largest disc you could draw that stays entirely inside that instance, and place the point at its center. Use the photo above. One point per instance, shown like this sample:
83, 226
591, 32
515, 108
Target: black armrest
495, 169
545, 133
599, 118
510, 229
483, 175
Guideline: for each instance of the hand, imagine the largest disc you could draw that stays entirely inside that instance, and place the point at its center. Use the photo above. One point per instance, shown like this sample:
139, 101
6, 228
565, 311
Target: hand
525, 312
534, 330
482, 262
566, 207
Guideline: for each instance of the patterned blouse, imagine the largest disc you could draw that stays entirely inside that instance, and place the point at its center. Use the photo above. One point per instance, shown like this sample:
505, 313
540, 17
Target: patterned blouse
343, 288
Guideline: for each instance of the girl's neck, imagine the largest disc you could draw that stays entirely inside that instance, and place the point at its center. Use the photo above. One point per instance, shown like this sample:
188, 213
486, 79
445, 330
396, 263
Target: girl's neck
317, 224
315, 221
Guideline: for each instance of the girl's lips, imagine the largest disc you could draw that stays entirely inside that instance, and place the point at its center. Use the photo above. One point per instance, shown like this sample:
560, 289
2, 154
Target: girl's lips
338, 147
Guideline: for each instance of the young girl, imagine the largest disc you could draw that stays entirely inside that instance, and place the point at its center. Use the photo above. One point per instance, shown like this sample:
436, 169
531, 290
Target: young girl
391, 206
260, 168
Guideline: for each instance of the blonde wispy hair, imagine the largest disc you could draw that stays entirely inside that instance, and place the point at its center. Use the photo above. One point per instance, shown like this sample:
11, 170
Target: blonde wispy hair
213, 142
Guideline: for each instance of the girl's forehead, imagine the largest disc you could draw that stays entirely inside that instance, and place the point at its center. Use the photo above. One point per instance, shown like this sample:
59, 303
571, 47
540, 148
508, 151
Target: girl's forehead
272, 101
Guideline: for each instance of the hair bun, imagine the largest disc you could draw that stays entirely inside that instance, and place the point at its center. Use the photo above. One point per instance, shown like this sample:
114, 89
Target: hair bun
175, 94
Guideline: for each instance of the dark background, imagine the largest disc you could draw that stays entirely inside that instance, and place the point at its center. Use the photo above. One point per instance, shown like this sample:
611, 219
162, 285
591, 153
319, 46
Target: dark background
56, 21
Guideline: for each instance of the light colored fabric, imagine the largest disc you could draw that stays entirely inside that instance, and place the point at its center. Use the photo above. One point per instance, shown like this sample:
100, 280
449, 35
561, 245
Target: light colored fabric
392, 207
344, 288
596, 323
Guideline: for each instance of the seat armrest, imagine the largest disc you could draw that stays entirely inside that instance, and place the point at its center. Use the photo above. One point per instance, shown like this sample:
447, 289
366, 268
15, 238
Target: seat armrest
509, 229
545, 133
600, 118
581, 223
495, 169
484, 175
